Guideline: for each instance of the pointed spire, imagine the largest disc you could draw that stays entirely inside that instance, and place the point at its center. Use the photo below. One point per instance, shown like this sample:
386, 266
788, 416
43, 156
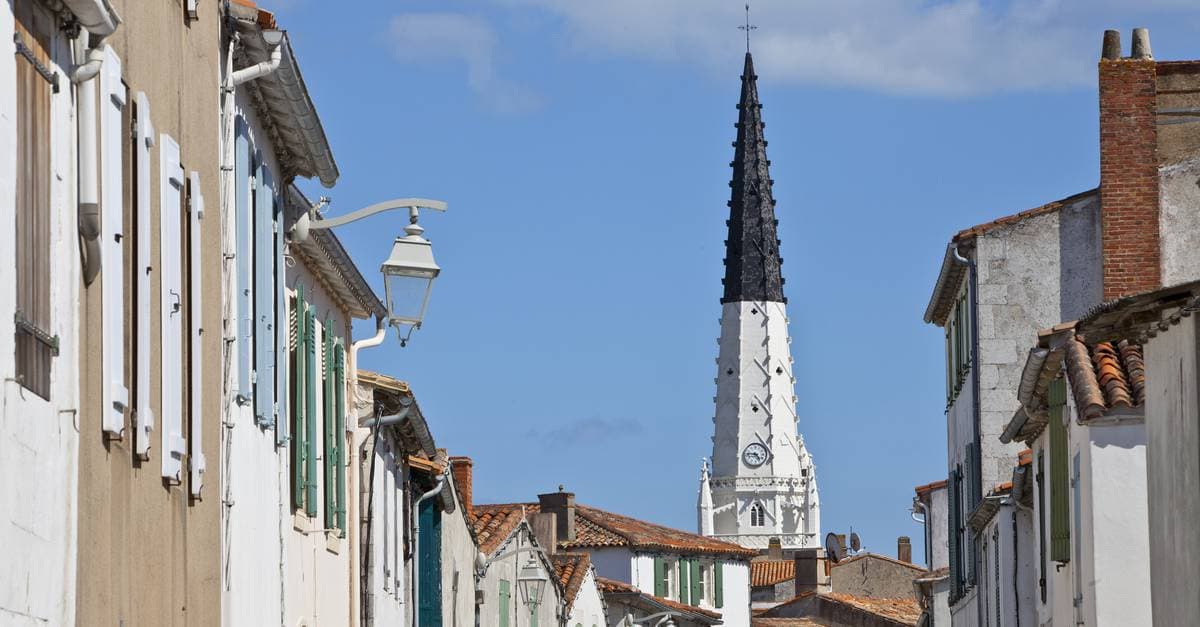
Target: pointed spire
752, 261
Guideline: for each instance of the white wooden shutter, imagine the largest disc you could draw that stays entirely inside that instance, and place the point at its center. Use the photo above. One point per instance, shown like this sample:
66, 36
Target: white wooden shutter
170, 247
195, 351
143, 414
115, 395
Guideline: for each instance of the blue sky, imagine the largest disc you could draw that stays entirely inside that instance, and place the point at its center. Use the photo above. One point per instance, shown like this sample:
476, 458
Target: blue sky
583, 148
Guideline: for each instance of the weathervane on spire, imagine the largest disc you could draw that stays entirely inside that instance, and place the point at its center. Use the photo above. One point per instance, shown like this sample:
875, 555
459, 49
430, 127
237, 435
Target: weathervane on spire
748, 27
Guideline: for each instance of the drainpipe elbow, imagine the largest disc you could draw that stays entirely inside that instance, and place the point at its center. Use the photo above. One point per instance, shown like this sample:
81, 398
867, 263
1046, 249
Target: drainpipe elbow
258, 70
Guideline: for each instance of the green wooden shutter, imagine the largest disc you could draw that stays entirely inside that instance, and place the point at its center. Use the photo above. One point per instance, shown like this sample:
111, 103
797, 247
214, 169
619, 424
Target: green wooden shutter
694, 576
718, 585
681, 567
1060, 515
299, 356
503, 598
310, 418
430, 555
1041, 507
952, 531
970, 480
533, 615
339, 433
660, 588
329, 452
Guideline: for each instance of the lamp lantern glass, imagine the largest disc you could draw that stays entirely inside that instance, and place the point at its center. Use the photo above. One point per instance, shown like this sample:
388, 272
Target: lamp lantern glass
408, 276
532, 582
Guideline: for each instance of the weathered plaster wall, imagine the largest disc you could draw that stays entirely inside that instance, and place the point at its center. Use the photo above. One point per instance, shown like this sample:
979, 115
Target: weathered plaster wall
938, 525
1173, 471
872, 576
39, 439
507, 568
149, 553
588, 609
1179, 221
458, 567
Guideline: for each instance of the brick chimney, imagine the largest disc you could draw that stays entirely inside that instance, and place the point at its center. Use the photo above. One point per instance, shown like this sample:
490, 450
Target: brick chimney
904, 549
461, 469
1129, 168
562, 505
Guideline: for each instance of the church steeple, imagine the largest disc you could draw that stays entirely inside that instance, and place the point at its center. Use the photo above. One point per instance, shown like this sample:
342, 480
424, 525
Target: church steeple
752, 261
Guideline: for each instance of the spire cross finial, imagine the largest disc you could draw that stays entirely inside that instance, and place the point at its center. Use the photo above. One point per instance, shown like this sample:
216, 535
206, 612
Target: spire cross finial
748, 27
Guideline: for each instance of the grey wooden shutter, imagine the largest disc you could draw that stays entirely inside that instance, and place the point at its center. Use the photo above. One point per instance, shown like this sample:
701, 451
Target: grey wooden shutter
264, 297
243, 232
1060, 514
282, 330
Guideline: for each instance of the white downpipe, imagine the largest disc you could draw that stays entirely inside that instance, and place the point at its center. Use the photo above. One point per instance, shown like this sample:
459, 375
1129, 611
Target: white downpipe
88, 209
416, 578
260, 69
358, 437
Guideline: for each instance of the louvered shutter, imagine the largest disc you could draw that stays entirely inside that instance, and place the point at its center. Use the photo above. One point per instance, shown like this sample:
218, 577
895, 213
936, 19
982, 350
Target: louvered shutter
1060, 515
299, 403
339, 433
264, 297
329, 456
503, 596
718, 584
694, 577
196, 461
283, 330
243, 232
969, 481
952, 536
115, 395
171, 300
660, 576
310, 418
143, 412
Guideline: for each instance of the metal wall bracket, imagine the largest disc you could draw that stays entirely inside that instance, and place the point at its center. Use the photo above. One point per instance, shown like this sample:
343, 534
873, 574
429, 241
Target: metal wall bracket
45, 337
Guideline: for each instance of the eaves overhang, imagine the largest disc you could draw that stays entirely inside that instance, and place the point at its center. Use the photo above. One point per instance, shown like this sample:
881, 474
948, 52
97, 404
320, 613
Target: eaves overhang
282, 100
945, 290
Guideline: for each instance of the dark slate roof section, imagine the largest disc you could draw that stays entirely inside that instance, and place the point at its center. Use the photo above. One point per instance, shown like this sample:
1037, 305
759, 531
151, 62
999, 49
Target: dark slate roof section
752, 261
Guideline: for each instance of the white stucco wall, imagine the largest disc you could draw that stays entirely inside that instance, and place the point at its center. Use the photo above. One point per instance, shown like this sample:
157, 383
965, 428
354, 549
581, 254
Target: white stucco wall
39, 441
254, 472
1179, 221
388, 598
1116, 522
458, 567
614, 563
588, 608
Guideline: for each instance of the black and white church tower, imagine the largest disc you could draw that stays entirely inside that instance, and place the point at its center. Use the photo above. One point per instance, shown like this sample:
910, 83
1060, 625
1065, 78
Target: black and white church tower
762, 483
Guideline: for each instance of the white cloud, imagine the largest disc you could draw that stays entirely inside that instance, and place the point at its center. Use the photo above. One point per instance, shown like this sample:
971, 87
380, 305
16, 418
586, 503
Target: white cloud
470, 40
921, 47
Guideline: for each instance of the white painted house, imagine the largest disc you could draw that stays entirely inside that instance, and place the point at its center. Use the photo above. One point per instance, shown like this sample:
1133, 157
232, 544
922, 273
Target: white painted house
583, 603
287, 537
510, 565
697, 573
1083, 415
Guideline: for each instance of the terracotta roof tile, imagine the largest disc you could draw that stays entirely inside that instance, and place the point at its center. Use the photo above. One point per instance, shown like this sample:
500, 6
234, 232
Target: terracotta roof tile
494, 523
609, 529
1049, 207
1025, 457
571, 569
930, 487
613, 587
901, 611
1113, 375
771, 572
786, 622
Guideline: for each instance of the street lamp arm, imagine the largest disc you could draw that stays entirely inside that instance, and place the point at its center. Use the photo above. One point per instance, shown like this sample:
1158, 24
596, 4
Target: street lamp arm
387, 205
512, 552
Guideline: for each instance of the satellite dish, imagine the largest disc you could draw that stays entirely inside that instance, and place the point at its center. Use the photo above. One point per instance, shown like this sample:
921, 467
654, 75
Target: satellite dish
833, 548
855, 544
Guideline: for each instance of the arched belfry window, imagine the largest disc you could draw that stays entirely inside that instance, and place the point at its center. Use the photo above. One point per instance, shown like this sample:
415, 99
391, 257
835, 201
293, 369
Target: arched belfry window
758, 515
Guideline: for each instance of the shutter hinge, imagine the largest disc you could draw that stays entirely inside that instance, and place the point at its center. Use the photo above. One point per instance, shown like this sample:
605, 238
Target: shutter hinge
50, 75
45, 337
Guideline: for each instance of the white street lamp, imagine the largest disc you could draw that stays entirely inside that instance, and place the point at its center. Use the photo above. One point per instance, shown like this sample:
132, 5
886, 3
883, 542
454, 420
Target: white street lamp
408, 272
532, 582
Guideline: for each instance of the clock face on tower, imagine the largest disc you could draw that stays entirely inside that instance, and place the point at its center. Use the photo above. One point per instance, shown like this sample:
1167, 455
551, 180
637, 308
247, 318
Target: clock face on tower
754, 455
